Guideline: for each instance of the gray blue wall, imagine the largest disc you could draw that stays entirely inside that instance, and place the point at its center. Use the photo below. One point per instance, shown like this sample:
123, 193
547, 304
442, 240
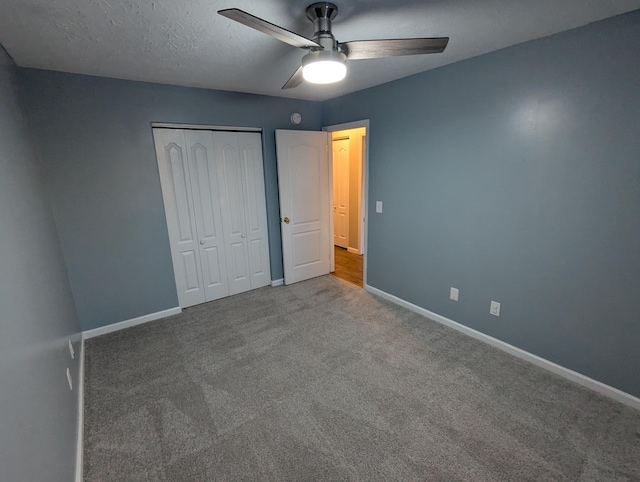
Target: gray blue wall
515, 177
96, 139
37, 410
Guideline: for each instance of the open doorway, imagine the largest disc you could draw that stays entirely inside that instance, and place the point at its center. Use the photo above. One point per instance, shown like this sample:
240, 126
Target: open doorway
348, 148
306, 221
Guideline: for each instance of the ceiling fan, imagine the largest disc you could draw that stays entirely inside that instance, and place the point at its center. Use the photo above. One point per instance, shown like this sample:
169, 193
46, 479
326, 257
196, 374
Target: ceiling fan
327, 60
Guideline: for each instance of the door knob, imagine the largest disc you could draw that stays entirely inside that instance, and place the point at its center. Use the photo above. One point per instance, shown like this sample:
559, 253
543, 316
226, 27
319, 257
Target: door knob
201, 242
286, 220
242, 236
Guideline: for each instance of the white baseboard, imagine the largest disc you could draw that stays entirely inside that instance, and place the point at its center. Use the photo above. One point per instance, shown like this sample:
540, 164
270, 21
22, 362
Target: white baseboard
80, 421
353, 250
103, 330
277, 282
579, 378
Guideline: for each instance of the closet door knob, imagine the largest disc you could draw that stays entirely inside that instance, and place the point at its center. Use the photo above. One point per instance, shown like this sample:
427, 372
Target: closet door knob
202, 242
286, 220
242, 236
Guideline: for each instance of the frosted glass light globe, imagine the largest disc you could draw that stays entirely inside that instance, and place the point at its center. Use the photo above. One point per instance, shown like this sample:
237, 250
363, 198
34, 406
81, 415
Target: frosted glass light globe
324, 72
324, 66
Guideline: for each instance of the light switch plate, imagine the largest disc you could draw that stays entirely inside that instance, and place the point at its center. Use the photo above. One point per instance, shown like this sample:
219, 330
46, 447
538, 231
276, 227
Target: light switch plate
378, 206
454, 293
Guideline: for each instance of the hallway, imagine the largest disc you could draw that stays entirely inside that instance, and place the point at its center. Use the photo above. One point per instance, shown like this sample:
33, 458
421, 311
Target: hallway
349, 266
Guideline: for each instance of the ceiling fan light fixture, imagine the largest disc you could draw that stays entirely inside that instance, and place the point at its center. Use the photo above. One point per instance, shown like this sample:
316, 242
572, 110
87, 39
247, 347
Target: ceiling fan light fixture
324, 67
326, 61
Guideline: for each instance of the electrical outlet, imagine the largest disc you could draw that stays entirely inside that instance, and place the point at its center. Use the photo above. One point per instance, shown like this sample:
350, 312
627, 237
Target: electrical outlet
71, 352
69, 379
454, 293
495, 308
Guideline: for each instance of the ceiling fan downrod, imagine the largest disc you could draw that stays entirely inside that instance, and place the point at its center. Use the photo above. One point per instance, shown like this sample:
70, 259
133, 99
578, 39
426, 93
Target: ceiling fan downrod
321, 14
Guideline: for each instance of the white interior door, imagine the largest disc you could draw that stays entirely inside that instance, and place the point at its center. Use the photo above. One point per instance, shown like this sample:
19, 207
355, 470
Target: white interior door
214, 197
231, 173
341, 192
173, 166
208, 217
303, 178
250, 150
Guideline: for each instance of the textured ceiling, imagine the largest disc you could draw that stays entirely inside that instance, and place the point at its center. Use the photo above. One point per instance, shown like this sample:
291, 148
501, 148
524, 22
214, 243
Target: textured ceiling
187, 43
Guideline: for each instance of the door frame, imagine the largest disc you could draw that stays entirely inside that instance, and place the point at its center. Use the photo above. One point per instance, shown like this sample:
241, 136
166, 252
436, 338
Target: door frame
364, 223
204, 127
212, 128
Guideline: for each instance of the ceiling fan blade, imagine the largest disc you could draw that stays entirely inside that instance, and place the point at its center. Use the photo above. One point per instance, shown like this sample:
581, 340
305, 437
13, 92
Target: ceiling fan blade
295, 80
263, 26
373, 49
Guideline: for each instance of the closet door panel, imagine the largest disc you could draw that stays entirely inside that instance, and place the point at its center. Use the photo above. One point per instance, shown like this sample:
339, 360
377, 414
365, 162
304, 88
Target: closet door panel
177, 196
233, 170
239, 263
208, 217
259, 265
233, 207
180, 204
189, 268
250, 148
208, 207
215, 271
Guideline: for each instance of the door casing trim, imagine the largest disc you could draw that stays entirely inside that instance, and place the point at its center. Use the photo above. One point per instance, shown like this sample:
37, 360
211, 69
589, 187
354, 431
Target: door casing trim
365, 188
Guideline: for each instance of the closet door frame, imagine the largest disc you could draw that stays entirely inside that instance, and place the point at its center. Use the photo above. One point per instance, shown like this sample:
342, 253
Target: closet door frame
211, 128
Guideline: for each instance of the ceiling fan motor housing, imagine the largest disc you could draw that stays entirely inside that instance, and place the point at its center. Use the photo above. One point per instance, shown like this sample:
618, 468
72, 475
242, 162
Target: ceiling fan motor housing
321, 14
324, 56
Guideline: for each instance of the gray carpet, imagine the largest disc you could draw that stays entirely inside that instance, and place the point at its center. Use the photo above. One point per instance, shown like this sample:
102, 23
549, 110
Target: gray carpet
323, 381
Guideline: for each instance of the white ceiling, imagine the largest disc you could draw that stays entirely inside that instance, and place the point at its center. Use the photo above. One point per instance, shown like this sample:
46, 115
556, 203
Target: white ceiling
185, 42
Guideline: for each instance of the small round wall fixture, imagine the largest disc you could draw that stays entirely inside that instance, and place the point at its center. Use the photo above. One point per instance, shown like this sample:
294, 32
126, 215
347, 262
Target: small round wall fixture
296, 118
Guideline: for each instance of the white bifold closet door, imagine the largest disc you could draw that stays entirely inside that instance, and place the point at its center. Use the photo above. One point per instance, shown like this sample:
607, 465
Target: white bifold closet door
214, 198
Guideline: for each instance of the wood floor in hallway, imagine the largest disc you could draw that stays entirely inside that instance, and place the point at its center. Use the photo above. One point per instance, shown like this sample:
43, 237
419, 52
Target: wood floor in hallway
349, 266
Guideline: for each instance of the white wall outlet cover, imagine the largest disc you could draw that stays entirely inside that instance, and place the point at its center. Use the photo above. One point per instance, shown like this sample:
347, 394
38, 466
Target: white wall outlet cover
378, 206
454, 293
69, 379
495, 308
71, 352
